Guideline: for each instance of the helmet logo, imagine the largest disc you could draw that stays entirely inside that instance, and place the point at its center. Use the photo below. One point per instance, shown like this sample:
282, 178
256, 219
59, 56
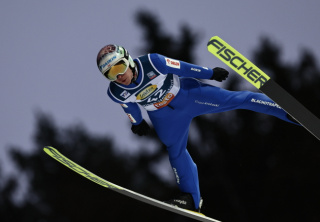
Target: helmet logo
107, 63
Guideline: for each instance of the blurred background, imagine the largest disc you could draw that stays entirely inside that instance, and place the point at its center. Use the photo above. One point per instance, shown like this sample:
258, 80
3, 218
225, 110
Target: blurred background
252, 167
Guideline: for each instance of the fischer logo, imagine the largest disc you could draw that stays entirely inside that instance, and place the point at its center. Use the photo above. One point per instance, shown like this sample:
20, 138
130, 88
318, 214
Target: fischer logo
80, 170
237, 61
173, 63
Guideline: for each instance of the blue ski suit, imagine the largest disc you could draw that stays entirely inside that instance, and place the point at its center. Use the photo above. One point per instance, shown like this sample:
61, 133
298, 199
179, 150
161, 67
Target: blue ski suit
168, 90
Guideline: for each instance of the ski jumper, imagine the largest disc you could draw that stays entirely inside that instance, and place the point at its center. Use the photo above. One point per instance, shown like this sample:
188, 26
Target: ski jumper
168, 90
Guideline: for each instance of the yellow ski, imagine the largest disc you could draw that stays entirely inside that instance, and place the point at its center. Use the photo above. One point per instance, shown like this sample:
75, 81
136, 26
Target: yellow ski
54, 153
262, 81
237, 62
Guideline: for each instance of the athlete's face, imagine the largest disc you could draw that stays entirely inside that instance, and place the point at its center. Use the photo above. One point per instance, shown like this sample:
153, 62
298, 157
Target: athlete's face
125, 78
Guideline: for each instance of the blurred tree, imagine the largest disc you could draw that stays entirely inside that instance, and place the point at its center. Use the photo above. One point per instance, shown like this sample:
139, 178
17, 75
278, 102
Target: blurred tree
58, 194
158, 41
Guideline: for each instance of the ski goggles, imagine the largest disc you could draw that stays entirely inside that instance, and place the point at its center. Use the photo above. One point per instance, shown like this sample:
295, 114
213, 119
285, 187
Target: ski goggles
117, 69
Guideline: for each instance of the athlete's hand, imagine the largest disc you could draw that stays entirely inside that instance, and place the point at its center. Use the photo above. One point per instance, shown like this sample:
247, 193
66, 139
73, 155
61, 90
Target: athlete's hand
219, 74
141, 129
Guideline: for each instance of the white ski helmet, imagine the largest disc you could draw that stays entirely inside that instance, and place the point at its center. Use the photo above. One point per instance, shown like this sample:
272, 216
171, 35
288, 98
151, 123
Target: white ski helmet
111, 55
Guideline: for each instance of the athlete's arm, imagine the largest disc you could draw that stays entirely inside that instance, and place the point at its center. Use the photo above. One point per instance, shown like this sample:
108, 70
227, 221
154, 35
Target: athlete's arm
167, 65
133, 112
131, 109
139, 125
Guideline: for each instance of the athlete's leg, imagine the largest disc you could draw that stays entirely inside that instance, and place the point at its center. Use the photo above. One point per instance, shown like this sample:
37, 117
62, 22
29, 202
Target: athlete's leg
172, 130
214, 99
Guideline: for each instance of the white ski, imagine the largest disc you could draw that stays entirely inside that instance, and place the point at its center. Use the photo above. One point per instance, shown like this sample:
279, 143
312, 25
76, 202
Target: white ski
87, 174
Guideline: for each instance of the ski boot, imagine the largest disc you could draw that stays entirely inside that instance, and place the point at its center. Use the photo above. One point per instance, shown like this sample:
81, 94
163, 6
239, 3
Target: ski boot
185, 201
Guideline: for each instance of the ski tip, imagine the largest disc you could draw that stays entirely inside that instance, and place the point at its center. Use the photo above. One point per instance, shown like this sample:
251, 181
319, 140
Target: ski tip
49, 149
212, 38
